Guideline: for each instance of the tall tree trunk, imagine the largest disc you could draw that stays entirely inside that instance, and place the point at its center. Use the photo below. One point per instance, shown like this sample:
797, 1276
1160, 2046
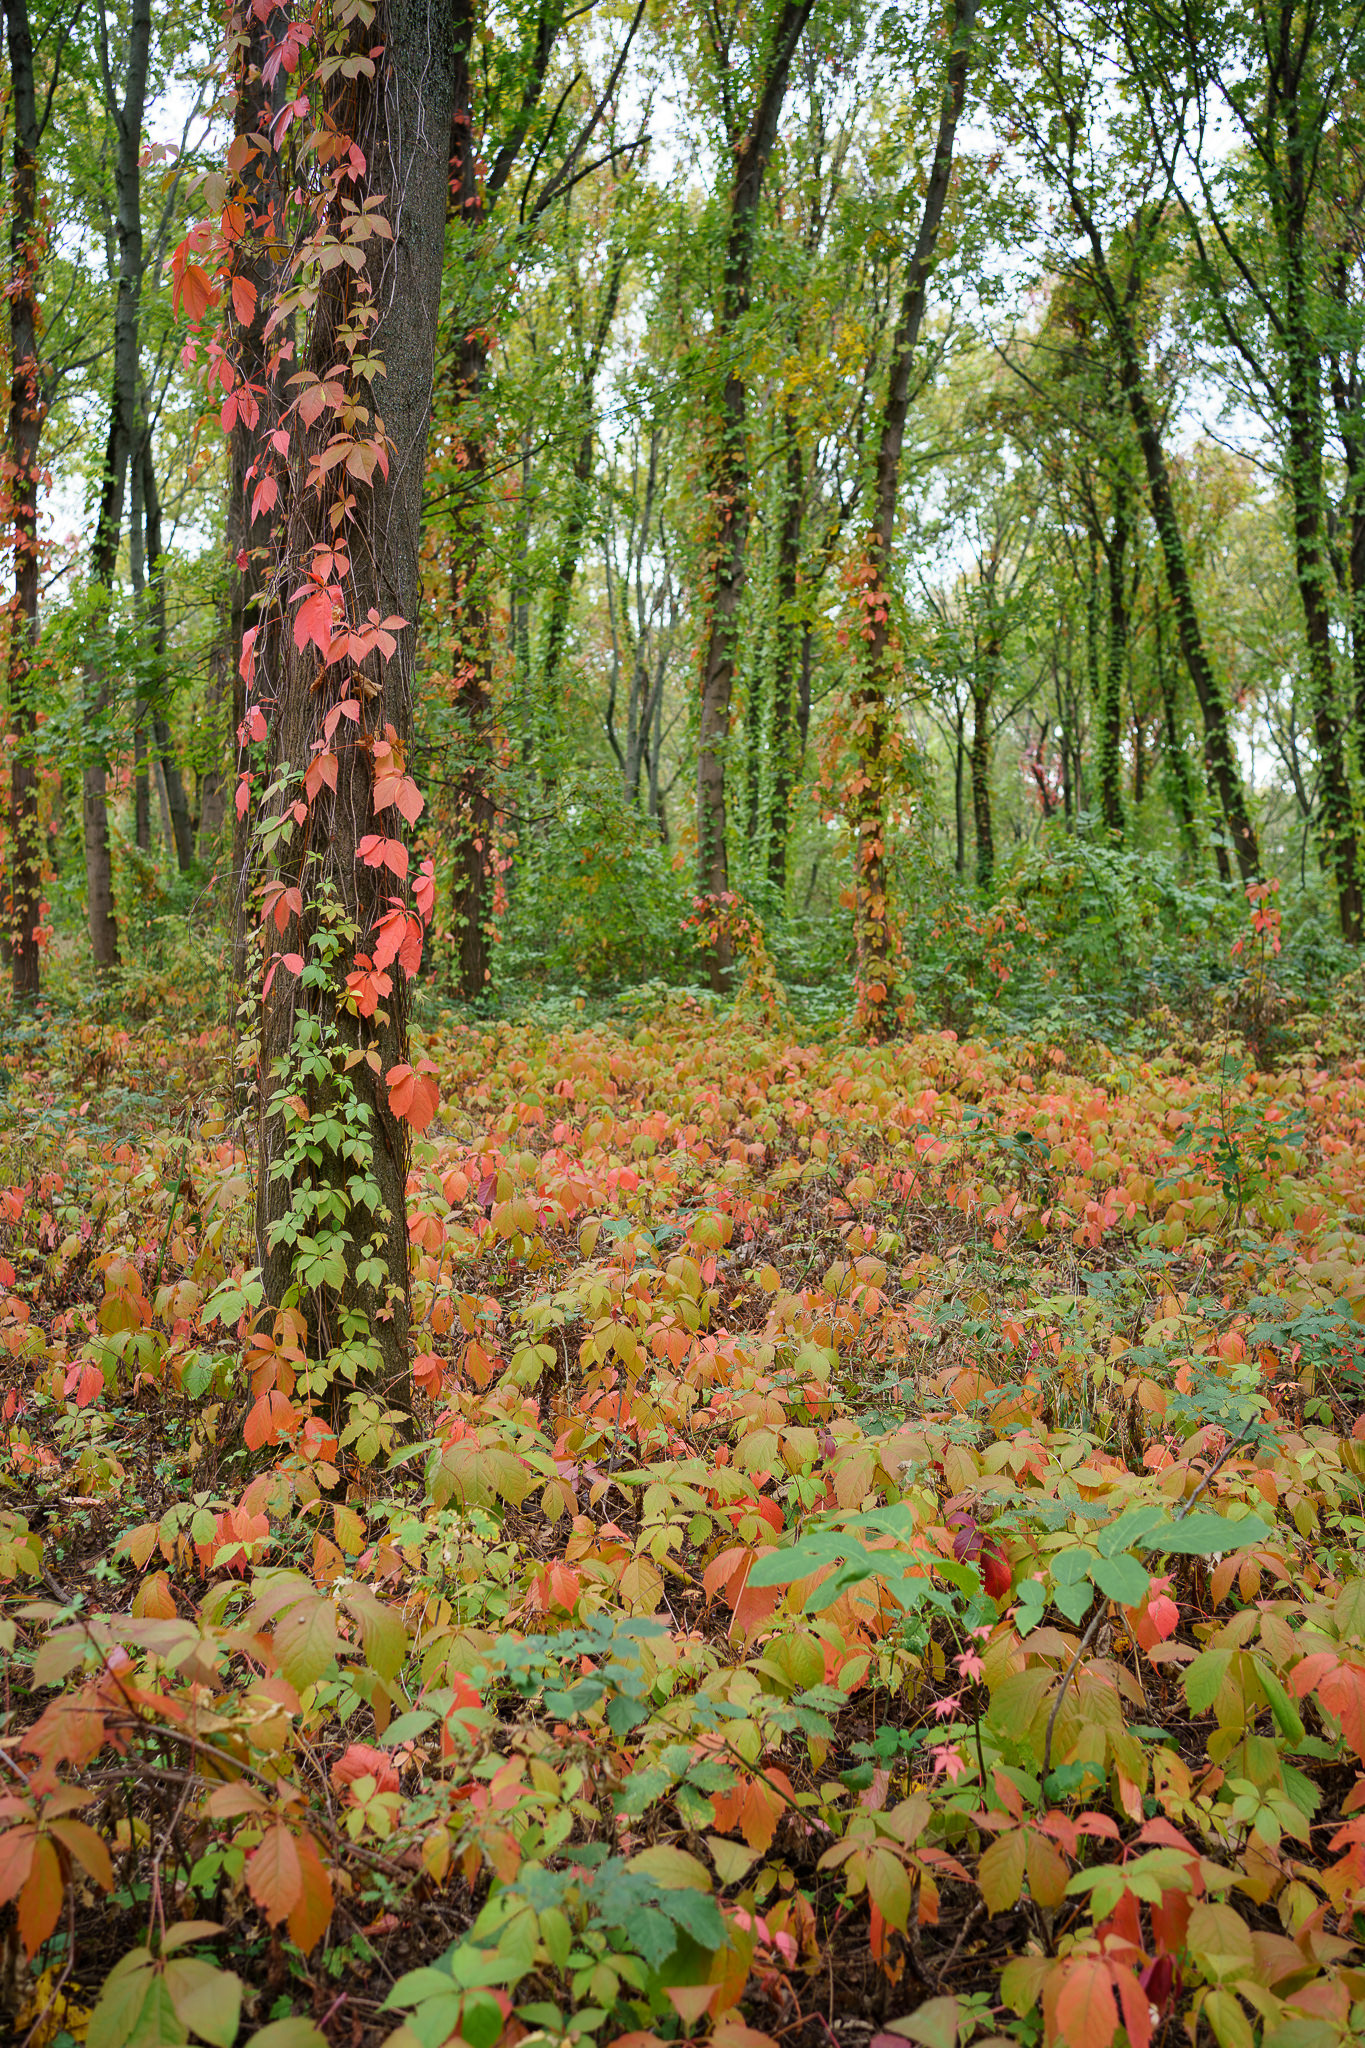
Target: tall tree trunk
1338, 847
474, 191
137, 577
580, 492
1115, 658
472, 676
472, 653
172, 783
873, 726
983, 694
255, 470
122, 431
729, 474
790, 641
1219, 752
1348, 397
24, 433
315, 1049
1180, 791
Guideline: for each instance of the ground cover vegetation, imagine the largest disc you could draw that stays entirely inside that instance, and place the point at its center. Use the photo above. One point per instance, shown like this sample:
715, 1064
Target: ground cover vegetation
682, 1313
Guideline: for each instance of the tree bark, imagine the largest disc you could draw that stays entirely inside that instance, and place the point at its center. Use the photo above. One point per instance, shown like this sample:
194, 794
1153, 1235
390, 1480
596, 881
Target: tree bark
400, 121
1338, 847
729, 475
872, 717
26, 412
1219, 752
1179, 790
983, 696
790, 640
119, 443
1115, 659
176, 803
252, 464
580, 491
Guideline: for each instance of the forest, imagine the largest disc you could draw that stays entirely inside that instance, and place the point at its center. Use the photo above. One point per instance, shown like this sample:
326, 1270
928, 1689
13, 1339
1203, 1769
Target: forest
682, 1105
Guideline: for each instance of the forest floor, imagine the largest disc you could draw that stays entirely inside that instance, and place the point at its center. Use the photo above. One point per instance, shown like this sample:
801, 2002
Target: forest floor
878, 1553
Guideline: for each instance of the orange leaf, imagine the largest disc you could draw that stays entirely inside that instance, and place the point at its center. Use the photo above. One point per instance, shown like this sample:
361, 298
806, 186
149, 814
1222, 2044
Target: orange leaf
244, 300
1086, 2015
274, 1874
270, 1418
40, 1902
313, 621
414, 1096
16, 1858
361, 1760
321, 769
378, 852
193, 293
309, 1919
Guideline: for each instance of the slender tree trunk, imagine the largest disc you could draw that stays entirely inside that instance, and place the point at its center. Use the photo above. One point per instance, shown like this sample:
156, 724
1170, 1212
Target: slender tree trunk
982, 696
1338, 847
137, 577
26, 413
580, 491
519, 609
400, 123
959, 777
1219, 752
123, 408
873, 727
472, 654
472, 670
1115, 659
172, 784
1180, 791
729, 475
1348, 398
790, 646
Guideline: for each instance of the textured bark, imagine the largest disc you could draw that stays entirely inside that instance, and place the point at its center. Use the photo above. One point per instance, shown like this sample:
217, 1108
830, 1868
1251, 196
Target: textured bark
791, 642
1338, 847
1219, 754
118, 453
24, 433
472, 654
474, 192
729, 469
401, 121
248, 538
580, 490
1115, 659
1180, 789
172, 784
137, 577
1348, 398
872, 712
983, 696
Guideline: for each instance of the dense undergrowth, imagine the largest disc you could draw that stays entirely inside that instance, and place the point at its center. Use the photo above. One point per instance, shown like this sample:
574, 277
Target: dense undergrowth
878, 1549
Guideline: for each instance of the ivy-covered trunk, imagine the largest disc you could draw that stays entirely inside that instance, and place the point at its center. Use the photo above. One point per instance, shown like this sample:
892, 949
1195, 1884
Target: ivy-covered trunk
874, 738
343, 924
790, 644
253, 504
1219, 752
26, 409
983, 693
1338, 848
728, 470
